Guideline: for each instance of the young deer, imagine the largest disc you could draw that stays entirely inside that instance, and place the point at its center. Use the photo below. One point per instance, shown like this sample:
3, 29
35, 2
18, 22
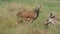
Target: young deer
52, 19
28, 15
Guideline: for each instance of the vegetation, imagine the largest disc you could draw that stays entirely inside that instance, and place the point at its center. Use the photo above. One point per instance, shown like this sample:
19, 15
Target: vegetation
8, 18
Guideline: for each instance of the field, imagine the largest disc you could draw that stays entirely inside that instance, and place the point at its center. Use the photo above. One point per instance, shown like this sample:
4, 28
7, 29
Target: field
8, 18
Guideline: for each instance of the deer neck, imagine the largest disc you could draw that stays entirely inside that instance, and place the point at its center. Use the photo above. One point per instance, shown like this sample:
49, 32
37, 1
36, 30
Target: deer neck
37, 12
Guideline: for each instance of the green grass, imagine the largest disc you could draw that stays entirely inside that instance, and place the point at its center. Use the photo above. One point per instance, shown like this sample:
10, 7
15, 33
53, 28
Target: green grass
8, 17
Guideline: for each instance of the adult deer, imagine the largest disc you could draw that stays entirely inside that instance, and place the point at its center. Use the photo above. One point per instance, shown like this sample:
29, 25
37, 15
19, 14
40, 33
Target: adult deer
30, 15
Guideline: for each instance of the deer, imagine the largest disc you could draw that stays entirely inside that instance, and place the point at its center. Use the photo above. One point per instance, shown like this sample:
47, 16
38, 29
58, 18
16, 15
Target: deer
52, 19
28, 15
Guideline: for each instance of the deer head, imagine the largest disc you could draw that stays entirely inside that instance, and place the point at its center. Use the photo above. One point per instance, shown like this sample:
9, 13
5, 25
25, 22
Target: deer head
50, 19
37, 8
51, 16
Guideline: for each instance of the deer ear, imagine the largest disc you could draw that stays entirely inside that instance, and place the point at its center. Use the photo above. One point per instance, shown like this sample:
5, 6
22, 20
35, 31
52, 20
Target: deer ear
51, 14
38, 6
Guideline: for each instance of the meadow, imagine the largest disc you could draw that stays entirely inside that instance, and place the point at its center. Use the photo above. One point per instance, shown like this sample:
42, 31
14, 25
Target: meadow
8, 18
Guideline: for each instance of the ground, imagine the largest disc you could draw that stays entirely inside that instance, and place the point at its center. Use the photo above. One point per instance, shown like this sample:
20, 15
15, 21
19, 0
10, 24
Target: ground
8, 18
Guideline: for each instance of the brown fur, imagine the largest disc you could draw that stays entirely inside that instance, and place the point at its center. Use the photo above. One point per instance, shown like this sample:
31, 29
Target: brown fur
26, 14
29, 14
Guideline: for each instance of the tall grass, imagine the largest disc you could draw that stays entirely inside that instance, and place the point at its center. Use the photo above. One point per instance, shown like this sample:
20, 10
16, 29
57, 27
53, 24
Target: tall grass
8, 19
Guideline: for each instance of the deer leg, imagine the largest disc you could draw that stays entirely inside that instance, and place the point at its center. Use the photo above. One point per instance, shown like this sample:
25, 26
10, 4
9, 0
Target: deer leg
31, 21
53, 22
20, 20
47, 23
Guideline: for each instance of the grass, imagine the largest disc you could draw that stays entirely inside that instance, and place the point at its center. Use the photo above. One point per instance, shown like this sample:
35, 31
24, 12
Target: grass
8, 19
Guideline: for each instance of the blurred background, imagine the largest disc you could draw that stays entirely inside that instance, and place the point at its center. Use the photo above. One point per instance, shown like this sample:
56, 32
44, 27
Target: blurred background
8, 18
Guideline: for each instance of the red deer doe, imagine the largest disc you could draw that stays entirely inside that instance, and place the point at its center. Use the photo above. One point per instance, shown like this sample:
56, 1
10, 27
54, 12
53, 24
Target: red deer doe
28, 15
52, 19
